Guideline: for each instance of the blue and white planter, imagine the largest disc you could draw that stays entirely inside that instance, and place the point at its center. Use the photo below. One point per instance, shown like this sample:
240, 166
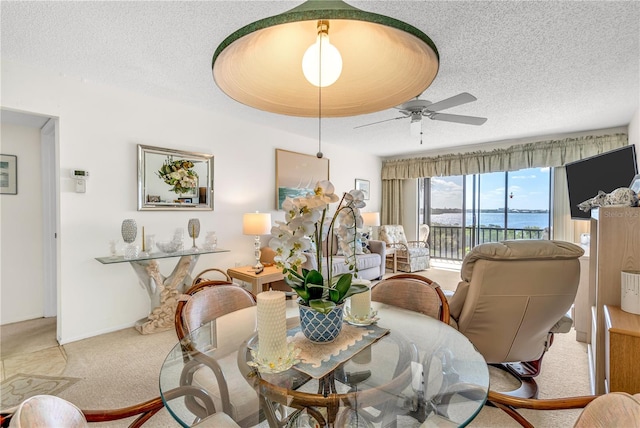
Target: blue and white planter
319, 327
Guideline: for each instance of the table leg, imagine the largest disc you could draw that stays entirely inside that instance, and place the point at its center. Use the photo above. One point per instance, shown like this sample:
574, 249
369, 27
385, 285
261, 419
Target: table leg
163, 291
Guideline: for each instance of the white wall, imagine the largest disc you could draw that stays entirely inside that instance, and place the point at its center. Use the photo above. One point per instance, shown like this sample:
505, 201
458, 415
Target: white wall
99, 128
634, 132
21, 266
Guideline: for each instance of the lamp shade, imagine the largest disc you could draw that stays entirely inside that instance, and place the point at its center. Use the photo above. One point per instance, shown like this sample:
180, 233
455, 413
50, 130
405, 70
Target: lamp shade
256, 224
371, 219
385, 62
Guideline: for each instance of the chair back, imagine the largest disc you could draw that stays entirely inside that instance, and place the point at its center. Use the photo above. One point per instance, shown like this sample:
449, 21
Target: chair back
392, 234
206, 274
511, 295
423, 233
413, 292
47, 411
207, 301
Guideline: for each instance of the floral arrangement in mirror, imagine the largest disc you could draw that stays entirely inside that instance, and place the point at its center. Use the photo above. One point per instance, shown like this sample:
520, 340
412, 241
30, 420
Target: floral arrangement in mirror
179, 174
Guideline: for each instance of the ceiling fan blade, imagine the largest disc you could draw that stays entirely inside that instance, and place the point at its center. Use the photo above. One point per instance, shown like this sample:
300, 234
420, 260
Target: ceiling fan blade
456, 100
468, 120
381, 121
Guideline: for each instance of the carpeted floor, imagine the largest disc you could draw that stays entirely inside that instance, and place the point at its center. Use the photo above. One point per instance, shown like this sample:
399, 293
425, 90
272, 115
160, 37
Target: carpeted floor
121, 368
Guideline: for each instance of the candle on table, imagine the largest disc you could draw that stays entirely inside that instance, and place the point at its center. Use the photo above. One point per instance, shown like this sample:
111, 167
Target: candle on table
272, 325
143, 243
361, 302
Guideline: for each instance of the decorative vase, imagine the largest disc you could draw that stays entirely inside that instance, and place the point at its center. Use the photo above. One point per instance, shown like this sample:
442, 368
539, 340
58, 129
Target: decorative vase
129, 230
211, 241
194, 231
319, 327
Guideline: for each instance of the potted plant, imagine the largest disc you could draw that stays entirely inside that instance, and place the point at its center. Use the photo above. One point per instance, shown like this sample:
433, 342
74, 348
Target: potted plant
307, 224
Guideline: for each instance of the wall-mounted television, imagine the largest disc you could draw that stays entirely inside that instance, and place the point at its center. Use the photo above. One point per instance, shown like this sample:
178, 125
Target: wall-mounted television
606, 171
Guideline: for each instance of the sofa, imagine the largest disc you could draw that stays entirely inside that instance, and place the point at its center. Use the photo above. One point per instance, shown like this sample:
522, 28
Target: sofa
370, 265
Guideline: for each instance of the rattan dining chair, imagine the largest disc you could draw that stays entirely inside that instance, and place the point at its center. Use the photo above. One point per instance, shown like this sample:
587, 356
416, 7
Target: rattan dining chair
51, 411
206, 274
419, 294
615, 409
413, 292
202, 303
208, 300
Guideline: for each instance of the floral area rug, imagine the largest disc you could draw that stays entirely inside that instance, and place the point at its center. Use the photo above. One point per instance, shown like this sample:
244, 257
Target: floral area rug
21, 386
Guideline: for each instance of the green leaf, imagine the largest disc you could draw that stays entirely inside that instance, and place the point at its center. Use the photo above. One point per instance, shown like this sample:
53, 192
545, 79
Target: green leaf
314, 282
342, 286
355, 289
314, 277
322, 306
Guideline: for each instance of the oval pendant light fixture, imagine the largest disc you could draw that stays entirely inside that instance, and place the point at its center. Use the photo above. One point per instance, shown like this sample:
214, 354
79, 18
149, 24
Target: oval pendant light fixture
385, 62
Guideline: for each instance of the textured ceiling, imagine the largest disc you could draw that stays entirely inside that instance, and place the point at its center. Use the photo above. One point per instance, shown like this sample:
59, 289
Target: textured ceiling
537, 68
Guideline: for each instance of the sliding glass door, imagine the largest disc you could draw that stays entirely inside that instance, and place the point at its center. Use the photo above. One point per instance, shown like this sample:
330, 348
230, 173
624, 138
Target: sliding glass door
464, 211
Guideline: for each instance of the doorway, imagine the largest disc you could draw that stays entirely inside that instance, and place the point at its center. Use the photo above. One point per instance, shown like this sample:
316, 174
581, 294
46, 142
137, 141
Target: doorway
35, 138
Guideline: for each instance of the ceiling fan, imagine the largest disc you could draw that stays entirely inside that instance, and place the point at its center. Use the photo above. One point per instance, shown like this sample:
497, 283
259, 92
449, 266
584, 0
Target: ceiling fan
416, 109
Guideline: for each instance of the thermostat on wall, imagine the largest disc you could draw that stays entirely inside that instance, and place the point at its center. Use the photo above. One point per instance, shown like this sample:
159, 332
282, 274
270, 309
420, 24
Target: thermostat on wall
79, 173
80, 177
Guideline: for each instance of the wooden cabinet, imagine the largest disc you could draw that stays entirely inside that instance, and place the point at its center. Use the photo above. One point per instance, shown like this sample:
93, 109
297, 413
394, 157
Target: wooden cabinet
615, 246
582, 305
622, 350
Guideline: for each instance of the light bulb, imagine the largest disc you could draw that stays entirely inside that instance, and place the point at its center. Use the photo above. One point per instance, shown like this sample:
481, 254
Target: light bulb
331, 60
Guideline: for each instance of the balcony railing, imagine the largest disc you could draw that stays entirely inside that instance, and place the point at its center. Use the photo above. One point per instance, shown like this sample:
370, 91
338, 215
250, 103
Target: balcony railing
446, 242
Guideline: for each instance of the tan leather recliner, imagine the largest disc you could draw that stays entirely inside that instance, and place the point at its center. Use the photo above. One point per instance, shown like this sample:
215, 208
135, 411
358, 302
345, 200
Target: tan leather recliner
513, 294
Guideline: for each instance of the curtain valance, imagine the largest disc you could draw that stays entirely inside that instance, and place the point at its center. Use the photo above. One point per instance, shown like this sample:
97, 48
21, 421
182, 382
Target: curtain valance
550, 153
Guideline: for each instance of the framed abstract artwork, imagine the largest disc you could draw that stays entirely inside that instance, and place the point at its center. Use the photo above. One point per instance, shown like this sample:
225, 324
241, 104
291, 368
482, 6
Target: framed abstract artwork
364, 186
297, 174
8, 175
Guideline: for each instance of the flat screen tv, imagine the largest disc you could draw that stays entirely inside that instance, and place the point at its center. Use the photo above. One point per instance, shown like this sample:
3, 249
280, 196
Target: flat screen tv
606, 171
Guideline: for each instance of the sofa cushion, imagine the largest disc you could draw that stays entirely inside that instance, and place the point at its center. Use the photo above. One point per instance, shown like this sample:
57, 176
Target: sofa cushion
363, 261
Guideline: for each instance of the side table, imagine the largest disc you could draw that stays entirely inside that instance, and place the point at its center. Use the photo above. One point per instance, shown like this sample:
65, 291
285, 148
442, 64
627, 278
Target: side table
258, 281
390, 253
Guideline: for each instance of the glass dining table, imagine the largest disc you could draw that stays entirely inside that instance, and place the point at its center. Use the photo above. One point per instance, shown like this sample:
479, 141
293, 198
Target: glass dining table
416, 370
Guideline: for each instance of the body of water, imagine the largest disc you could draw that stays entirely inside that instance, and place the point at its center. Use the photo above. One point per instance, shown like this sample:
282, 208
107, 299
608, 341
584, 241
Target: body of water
515, 220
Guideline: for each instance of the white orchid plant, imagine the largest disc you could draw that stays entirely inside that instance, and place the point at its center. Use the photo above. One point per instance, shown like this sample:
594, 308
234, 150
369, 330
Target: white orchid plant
307, 224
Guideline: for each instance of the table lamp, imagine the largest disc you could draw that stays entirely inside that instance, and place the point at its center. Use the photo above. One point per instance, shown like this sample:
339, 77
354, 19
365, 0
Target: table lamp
370, 220
256, 224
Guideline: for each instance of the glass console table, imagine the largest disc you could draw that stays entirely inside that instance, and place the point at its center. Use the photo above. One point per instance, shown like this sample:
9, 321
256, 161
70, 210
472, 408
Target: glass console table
163, 291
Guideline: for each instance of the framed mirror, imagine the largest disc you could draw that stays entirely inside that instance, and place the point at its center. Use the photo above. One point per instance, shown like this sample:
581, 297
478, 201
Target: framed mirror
174, 180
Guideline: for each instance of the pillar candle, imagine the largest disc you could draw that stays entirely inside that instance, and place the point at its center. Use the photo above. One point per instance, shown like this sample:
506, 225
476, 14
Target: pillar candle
272, 325
143, 243
361, 302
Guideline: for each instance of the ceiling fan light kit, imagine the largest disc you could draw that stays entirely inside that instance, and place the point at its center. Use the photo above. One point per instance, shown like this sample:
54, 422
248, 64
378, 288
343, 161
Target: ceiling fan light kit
384, 61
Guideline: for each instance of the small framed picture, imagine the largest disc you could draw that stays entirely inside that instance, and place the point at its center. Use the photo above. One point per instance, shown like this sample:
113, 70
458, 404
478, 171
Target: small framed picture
364, 186
635, 184
8, 175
